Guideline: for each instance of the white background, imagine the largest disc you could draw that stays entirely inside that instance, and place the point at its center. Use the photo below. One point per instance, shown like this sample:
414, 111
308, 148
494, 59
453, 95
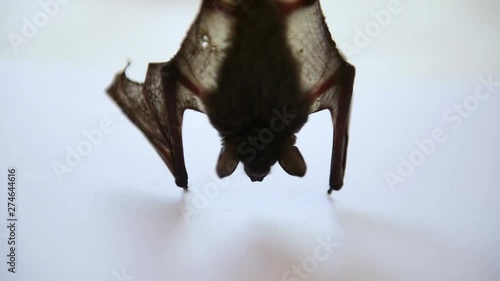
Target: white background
119, 216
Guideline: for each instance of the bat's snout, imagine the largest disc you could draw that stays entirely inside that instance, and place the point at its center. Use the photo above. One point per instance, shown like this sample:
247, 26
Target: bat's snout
258, 178
257, 173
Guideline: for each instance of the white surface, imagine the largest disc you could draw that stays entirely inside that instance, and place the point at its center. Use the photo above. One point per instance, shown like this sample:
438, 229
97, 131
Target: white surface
120, 212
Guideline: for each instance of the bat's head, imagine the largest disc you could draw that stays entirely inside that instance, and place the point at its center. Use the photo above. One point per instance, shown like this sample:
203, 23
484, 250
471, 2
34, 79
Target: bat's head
258, 157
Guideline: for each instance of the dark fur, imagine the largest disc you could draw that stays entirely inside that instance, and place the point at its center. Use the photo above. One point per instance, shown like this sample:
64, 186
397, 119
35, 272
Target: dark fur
259, 75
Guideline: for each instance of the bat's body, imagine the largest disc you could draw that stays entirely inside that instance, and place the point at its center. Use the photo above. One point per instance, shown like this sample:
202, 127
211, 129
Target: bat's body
258, 77
257, 68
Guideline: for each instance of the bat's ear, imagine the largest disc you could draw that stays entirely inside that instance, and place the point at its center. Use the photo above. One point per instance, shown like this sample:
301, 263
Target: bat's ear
292, 161
228, 160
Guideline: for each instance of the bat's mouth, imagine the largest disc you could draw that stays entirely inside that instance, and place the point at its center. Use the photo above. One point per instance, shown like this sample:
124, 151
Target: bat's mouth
257, 176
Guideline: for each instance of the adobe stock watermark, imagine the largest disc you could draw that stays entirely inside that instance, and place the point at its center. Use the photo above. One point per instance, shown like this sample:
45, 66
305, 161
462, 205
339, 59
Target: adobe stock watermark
265, 136
454, 117
323, 251
76, 154
121, 275
247, 149
364, 36
32, 26
202, 198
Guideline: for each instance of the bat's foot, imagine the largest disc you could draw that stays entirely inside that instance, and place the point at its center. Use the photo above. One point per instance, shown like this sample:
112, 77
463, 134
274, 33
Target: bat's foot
182, 183
335, 187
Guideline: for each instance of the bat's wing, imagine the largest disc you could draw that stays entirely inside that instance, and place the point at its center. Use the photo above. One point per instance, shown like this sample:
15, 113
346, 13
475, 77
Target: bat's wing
130, 97
326, 78
156, 107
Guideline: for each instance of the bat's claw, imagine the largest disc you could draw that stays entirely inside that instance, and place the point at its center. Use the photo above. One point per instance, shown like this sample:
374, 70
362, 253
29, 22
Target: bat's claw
335, 187
182, 183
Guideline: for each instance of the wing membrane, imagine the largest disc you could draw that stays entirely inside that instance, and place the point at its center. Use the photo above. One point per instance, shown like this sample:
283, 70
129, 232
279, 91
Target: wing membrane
143, 106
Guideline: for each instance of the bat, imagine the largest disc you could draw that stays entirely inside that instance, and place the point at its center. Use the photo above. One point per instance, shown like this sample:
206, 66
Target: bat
257, 69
